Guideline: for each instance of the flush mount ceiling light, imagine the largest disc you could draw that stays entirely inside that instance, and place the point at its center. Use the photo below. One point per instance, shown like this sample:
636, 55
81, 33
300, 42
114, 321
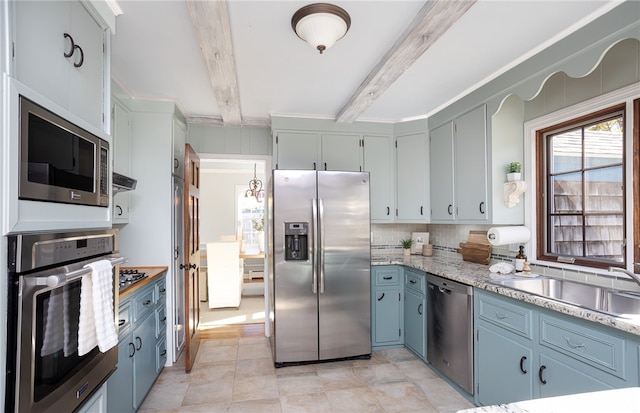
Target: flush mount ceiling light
321, 24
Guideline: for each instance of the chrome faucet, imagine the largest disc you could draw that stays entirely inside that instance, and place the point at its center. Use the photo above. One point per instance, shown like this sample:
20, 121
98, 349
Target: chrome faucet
634, 276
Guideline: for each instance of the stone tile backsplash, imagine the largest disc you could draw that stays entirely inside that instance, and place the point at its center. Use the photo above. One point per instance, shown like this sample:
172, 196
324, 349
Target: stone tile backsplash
447, 238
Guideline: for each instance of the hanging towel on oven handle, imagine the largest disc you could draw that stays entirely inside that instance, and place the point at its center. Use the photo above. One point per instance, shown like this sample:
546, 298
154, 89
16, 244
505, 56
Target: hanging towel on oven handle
97, 326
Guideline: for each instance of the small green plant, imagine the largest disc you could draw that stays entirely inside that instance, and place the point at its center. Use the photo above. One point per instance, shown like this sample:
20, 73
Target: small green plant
258, 224
514, 167
406, 243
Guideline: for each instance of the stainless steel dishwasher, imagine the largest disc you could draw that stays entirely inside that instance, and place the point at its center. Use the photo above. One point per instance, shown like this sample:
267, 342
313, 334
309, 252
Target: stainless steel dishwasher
450, 329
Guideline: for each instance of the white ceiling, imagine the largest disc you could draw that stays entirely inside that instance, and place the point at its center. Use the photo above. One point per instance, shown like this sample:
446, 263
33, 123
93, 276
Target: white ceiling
156, 54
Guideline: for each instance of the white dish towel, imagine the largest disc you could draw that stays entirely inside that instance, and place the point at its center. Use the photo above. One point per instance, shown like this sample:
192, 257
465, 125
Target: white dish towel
97, 322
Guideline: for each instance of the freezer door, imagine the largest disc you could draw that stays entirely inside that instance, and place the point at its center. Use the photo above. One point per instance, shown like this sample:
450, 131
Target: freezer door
295, 304
345, 255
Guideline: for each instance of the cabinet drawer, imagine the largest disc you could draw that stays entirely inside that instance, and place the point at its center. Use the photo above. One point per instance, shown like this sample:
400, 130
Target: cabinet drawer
415, 281
387, 277
592, 346
161, 290
161, 321
143, 303
504, 314
161, 354
124, 317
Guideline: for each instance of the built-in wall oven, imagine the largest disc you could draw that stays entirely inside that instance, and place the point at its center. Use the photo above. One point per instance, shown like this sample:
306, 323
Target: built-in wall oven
45, 372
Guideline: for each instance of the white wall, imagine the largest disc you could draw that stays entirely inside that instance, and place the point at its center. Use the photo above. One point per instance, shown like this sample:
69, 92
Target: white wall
217, 201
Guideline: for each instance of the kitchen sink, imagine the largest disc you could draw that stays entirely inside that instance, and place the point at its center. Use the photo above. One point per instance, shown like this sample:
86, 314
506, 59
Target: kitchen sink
619, 303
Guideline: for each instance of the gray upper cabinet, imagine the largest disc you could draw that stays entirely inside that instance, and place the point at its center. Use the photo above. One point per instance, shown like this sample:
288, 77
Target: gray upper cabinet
75, 83
378, 161
412, 178
297, 150
441, 165
341, 153
471, 165
459, 169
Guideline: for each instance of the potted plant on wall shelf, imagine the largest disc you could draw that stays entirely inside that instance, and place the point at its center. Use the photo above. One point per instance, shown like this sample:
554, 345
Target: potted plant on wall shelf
406, 245
514, 171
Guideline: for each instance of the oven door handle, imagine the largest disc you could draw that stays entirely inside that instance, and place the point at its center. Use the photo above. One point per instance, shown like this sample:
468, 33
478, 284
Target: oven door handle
58, 279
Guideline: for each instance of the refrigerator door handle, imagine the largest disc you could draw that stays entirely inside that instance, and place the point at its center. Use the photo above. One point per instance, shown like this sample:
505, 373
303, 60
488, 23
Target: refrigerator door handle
321, 243
314, 250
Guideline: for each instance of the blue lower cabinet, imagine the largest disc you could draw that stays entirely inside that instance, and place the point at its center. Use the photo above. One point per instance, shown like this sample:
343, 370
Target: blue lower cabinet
415, 311
97, 403
386, 306
415, 306
142, 349
524, 352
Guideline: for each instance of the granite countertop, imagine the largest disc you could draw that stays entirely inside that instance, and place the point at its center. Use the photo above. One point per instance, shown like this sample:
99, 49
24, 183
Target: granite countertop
152, 273
618, 400
451, 266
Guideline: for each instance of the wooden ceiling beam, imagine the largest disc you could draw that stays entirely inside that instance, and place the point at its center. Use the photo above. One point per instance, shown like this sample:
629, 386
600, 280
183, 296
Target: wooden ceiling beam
431, 22
211, 21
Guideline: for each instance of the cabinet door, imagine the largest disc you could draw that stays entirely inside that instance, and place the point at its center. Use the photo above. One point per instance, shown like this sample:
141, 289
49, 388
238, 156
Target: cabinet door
412, 180
387, 328
414, 321
121, 159
441, 167
505, 367
341, 153
471, 165
297, 150
40, 46
40, 63
120, 384
86, 83
144, 361
378, 161
555, 378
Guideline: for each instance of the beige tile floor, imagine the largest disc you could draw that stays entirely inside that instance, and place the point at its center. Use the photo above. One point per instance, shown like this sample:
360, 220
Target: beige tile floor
237, 375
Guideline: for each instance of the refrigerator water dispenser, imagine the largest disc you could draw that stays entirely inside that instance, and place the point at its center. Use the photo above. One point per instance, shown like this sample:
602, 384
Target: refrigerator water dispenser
295, 241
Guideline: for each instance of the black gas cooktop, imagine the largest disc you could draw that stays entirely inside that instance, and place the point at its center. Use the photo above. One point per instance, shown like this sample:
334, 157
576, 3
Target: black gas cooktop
129, 277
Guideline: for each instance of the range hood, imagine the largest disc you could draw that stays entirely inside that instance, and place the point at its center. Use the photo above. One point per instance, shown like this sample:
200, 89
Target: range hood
122, 183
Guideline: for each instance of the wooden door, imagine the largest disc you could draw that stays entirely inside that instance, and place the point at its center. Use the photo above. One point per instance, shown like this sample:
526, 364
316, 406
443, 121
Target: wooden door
192, 256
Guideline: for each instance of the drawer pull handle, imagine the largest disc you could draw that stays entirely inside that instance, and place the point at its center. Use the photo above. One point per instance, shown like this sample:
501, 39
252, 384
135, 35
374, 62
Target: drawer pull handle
133, 350
575, 345
164, 319
387, 278
481, 208
388, 211
420, 309
522, 360
412, 281
139, 340
162, 291
450, 209
381, 297
542, 368
164, 353
501, 316
121, 322
146, 303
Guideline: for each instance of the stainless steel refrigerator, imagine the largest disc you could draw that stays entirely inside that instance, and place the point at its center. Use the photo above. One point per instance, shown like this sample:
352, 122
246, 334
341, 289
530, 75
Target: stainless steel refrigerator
320, 266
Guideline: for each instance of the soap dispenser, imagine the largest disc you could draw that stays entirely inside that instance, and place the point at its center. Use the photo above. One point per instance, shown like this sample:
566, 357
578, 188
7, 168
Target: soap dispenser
520, 259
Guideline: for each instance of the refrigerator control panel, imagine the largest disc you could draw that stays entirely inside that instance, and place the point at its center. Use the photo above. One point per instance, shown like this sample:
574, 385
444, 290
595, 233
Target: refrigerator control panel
296, 241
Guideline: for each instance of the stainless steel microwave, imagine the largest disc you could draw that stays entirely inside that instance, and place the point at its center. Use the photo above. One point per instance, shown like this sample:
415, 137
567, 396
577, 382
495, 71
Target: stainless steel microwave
59, 161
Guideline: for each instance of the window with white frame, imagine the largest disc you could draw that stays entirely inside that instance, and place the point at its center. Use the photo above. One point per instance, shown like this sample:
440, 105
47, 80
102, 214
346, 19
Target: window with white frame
250, 218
